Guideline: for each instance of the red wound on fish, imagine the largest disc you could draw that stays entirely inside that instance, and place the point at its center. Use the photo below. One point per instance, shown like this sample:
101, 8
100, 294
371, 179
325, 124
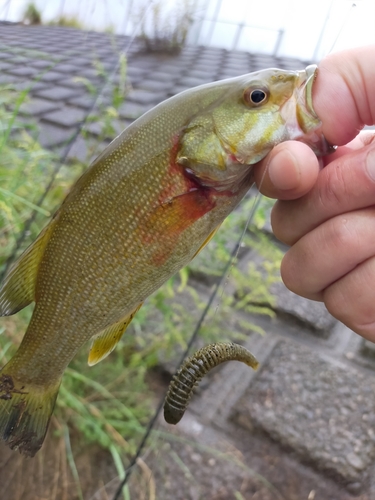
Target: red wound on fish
180, 203
172, 218
179, 182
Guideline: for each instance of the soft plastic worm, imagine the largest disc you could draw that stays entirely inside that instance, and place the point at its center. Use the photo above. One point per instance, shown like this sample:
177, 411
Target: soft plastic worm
194, 369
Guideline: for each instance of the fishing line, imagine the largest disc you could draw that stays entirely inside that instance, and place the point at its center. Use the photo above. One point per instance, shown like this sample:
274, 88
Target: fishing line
353, 5
254, 208
193, 338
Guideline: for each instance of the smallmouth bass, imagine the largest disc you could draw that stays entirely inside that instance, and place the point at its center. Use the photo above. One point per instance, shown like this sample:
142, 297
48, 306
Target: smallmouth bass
144, 208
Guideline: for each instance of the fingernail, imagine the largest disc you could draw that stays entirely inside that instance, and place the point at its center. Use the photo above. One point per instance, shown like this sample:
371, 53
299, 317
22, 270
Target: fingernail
284, 171
370, 163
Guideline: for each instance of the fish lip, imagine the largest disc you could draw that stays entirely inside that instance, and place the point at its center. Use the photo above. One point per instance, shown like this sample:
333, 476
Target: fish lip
311, 74
308, 77
308, 121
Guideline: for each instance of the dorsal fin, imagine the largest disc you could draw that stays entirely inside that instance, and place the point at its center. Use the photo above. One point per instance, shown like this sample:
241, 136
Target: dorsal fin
106, 341
18, 288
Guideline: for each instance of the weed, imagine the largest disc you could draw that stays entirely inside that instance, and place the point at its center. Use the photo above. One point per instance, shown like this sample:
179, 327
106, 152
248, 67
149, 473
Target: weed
164, 28
67, 22
32, 14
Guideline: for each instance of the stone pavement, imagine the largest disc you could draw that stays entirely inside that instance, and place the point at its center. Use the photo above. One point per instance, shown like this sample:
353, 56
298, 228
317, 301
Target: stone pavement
312, 401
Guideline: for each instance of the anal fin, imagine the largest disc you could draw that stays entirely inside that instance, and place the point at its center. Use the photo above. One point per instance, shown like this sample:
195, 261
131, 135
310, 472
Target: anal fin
18, 288
207, 240
106, 341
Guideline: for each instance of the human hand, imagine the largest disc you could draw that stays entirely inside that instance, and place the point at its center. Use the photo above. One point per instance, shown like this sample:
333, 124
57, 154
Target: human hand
328, 217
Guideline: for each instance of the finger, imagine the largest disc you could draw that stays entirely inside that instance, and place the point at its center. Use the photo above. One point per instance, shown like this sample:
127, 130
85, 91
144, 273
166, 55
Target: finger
343, 95
329, 252
289, 171
346, 184
351, 299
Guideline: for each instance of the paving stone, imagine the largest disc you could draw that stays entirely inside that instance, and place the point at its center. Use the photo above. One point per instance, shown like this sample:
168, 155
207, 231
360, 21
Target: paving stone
90, 74
37, 86
136, 72
132, 110
51, 136
323, 411
30, 85
5, 65
179, 88
84, 101
155, 86
41, 64
57, 93
85, 150
66, 117
51, 76
223, 75
7, 79
310, 312
144, 97
193, 82
368, 349
75, 82
22, 71
259, 67
164, 77
97, 127
177, 69
200, 74
149, 64
313, 314
203, 62
209, 67
81, 62
20, 60
37, 107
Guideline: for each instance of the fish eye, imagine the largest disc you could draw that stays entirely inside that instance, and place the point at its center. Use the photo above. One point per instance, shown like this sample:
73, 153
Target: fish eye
255, 96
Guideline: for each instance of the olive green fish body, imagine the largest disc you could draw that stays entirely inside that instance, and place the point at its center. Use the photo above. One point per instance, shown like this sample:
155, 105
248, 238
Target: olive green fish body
142, 211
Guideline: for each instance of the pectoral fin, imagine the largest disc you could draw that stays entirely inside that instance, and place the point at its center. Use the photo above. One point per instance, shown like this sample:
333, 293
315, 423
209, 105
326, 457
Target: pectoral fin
18, 289
106, 341
207, 240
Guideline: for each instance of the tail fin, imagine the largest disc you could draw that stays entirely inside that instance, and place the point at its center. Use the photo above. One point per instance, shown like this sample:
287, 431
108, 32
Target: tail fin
25, 411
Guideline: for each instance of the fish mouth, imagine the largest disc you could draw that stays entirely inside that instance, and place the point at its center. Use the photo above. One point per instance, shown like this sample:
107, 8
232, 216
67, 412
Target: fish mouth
308, 121
307, 116
311, 73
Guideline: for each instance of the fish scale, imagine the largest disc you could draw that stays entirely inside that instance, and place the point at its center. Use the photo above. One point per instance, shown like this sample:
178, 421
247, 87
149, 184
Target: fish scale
145, 207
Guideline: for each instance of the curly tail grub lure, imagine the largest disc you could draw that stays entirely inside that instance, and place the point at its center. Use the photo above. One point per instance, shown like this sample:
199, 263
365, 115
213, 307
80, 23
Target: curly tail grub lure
194, 369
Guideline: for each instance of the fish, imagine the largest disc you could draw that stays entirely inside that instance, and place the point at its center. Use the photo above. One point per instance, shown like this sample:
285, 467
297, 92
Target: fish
194, 369
143, 209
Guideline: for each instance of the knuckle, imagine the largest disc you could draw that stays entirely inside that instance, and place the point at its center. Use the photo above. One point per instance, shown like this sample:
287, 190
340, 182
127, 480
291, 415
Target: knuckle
289, 271
341, 234
334, 191
335, 303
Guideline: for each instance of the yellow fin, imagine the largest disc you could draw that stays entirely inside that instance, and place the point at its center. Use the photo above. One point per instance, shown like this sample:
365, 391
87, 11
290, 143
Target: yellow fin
18, 288
107, 340
207, 240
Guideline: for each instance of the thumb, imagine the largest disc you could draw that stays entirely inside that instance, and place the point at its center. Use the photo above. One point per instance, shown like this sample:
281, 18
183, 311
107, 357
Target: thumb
343, 95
